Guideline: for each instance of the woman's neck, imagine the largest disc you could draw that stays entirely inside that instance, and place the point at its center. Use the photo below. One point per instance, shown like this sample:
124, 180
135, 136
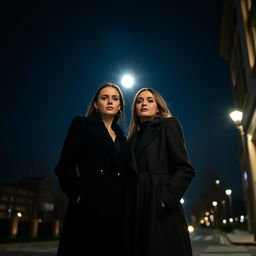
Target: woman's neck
107, 120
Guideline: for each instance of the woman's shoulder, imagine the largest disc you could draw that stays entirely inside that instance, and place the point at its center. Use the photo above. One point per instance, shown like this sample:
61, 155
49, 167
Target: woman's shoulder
170, 120
78, 121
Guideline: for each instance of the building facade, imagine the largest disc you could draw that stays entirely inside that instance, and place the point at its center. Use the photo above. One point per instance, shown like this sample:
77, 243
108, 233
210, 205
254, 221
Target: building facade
238, 47
32, 207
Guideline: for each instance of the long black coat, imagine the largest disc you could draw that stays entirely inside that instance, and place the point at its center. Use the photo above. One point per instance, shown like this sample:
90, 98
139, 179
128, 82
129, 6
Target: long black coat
159, 170
90, 167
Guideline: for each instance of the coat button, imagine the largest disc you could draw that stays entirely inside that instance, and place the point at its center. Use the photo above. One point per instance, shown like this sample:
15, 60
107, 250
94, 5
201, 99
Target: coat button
101, 172
118, 174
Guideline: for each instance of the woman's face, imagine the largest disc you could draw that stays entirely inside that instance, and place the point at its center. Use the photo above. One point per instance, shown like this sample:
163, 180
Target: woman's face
146, 106
108, 102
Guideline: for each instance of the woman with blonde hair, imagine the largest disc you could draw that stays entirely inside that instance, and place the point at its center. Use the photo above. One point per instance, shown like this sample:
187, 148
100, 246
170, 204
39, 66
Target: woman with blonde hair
90, 172
158, 174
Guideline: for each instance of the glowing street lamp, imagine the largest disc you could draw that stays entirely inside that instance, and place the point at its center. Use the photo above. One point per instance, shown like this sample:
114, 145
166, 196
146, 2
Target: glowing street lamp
215, 203
229, 193
217, 182
236, 116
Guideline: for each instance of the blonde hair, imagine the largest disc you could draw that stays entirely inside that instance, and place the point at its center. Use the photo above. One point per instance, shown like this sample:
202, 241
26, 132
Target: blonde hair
92, 109
163, 111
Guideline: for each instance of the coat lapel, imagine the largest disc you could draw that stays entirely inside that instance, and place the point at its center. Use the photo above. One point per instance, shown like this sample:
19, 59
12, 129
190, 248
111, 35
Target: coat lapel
148, 135
98, 130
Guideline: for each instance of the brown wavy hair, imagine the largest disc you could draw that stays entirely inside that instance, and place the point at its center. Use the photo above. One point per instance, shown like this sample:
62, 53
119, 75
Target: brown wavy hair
163, 110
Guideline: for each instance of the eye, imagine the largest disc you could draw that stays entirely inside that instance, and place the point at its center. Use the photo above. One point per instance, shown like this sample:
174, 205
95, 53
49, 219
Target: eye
150, 100
138, 101
115, 98
103, 97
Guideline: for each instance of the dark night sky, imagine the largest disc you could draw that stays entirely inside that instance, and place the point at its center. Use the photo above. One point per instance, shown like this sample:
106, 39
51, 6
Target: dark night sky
55, 54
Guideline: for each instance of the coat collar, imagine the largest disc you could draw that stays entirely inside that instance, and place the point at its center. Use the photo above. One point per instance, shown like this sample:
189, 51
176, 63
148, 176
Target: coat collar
150, 131
100, 133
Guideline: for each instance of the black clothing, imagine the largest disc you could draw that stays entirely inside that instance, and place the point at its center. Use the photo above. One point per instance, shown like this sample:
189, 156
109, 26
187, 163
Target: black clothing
159, 170
95, 224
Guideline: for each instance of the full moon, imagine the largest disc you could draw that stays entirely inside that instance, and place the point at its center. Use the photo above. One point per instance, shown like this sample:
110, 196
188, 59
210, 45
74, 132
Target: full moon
127, 81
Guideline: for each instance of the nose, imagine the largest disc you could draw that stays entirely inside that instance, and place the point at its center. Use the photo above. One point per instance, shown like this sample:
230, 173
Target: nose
110, 101
144, 103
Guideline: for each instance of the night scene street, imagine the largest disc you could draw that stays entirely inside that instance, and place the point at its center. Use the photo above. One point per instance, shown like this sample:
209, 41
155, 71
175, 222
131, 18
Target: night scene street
199, 55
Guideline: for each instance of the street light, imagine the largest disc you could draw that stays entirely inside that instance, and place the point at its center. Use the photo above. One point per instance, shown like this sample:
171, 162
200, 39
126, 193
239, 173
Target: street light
215, 203
248, 149
217, 182
229, 193
236, 116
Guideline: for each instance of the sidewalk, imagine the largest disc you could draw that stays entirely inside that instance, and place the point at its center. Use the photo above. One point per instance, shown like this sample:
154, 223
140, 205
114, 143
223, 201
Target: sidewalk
239, 237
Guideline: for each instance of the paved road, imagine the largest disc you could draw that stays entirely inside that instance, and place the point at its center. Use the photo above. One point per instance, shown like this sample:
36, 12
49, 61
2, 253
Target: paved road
204, 243
213, 243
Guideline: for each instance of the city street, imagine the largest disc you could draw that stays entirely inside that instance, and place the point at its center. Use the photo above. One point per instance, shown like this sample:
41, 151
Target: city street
214, 243
204, 242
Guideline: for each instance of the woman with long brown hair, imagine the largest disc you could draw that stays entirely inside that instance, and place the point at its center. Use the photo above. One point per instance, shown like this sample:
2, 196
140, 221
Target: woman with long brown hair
158, 174
90, 172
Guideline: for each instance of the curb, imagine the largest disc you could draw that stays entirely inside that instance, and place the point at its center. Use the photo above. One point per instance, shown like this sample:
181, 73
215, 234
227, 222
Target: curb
27, 244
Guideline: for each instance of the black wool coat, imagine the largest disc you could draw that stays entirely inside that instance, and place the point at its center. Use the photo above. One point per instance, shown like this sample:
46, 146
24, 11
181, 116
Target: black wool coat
90, 167
159, 169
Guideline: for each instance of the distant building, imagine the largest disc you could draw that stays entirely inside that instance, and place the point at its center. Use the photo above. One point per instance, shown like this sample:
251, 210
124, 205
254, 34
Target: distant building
33, 201
238, 47
16, 199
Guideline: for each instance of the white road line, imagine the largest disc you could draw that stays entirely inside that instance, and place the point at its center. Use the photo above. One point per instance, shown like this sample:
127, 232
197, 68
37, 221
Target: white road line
223, 240
196, 238
209, 237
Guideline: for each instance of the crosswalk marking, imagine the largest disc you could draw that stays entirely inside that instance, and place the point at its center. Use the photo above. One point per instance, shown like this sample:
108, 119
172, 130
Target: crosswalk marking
200, 237
196, 238
224, 240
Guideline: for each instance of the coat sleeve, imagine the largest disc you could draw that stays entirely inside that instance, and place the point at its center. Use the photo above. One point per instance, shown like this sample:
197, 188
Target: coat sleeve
66, 167
182, 170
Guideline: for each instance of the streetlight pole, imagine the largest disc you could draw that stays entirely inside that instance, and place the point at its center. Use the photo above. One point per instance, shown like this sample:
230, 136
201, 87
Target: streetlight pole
215, 203
246, 164
228, 193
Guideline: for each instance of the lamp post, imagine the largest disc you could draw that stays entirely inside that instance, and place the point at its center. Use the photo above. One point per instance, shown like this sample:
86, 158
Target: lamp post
247, 163
229, 193
224, 210
215, 203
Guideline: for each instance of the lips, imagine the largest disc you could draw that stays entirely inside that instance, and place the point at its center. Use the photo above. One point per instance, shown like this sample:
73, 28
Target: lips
144, 109
109, 108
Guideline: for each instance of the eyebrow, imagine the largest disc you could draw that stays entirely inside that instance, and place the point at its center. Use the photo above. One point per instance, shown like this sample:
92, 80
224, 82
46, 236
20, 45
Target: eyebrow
108, 95
149, 97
